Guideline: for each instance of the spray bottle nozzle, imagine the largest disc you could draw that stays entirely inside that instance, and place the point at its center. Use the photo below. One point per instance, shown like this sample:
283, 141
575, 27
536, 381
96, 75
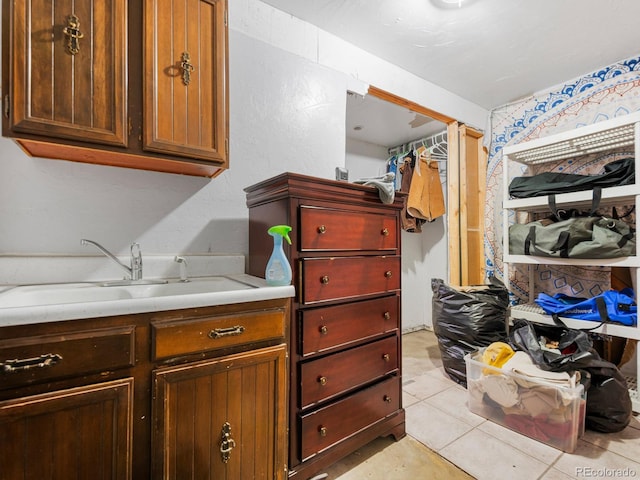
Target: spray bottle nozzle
282, 230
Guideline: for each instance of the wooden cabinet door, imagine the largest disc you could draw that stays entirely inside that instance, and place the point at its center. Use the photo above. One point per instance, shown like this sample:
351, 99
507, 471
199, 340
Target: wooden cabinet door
83, 432
185, 100
68, 69
242, 395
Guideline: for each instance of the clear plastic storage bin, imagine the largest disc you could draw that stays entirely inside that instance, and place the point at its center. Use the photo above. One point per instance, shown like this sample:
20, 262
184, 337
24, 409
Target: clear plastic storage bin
547, 412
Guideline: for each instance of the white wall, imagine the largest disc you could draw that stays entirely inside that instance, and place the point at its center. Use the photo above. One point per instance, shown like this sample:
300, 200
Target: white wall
288, 83
364, 159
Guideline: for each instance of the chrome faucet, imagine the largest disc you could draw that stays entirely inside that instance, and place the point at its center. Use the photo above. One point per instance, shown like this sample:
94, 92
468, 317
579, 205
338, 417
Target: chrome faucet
135, 270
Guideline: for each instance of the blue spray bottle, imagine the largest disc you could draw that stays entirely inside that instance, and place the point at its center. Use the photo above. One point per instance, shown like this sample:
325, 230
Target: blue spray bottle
278, 270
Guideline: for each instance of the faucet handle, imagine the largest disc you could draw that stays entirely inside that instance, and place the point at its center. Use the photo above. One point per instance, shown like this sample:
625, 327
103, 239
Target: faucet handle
183, 268
136, 261
135, 250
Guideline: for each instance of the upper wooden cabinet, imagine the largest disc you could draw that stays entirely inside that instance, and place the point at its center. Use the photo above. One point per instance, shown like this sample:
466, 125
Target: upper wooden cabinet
184, 58
130, 84
69, 70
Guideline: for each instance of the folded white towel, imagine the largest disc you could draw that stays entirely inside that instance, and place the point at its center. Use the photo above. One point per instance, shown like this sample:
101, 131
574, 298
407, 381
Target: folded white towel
522, 364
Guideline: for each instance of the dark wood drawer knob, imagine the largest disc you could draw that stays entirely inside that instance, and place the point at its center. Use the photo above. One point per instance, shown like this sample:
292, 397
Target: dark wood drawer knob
387, 398
322, 381
388, 274
323, 330
322, 229
387, 316
322, 431
324, 279
385, 232
386, 357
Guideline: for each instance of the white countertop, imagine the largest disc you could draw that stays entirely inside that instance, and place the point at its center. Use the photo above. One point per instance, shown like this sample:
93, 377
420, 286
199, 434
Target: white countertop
256, 289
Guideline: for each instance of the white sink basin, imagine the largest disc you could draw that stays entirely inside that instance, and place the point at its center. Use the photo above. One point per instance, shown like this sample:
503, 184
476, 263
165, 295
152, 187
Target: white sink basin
56, 294
26, 304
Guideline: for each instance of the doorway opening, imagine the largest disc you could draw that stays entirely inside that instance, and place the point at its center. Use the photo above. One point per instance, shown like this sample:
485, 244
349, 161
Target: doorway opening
381, 124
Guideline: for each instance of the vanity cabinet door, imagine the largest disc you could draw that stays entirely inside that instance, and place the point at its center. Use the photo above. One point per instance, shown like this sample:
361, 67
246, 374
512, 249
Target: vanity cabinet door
222, 419
68, 67
83, 432
185, 103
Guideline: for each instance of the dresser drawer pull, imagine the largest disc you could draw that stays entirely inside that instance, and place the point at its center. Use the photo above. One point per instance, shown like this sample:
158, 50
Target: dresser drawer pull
322, 229
322, 381
43, 361
385, 232
226, 332
386, 357
388, 274
387, 398
387, 316
322, 431
324, 279
323, 330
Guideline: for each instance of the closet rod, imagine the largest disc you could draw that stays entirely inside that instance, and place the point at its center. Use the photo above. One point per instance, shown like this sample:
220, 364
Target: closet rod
435, 140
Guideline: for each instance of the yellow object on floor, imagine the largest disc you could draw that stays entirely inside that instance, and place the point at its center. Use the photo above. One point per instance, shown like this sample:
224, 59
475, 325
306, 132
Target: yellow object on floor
497, 354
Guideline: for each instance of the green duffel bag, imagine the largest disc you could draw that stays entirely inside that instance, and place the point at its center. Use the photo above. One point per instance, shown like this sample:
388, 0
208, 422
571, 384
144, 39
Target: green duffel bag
577, 237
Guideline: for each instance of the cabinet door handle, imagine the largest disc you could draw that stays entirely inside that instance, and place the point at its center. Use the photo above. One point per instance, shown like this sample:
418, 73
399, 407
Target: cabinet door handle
385, 232
73, 33
322, 229
226, 442
226, 332
187, 68
388, 274
324, 279
18, 364
322, 381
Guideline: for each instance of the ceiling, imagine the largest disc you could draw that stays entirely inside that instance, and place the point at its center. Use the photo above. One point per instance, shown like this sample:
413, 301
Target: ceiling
376, 121
490, 52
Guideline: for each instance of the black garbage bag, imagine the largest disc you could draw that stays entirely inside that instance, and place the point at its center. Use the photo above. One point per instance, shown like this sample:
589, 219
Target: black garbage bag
465, 319
608, 406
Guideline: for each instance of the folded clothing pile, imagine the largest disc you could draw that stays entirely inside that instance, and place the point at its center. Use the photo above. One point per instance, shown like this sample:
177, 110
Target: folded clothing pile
507, 387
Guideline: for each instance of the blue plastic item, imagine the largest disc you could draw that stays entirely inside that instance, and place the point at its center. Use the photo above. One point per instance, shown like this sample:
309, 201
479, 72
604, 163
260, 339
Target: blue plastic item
278, 271
620, 306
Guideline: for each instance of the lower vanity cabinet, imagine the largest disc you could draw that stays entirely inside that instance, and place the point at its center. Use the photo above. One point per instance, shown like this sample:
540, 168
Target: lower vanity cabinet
345, 350
192, 393
57, 419
222, 418
82, 432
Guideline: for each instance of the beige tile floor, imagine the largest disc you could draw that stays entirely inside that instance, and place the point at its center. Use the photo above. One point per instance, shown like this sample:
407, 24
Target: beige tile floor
446, 441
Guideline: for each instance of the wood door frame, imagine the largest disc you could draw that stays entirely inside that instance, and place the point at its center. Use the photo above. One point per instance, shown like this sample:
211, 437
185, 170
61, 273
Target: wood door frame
459, 252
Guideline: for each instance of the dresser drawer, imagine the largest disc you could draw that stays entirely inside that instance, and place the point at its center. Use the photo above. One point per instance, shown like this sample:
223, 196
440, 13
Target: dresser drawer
327, 426
330, 327
347, 277
40, 358
334, 374
323, 229
173, 338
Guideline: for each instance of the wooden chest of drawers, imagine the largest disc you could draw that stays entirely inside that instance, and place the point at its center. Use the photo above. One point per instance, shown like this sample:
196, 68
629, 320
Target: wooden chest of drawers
345, 358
